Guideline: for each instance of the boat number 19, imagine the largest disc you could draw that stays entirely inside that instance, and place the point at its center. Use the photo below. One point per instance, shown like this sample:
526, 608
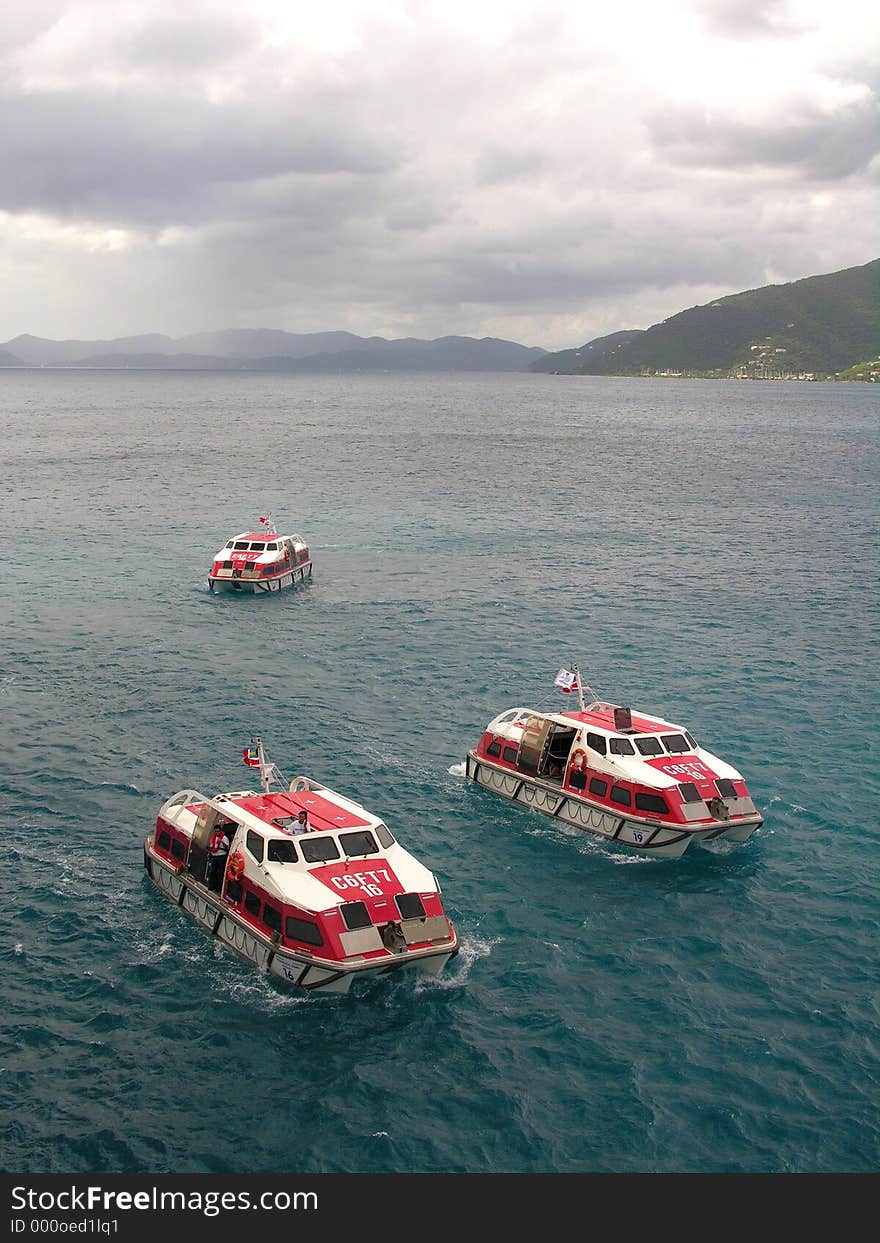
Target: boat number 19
365, 881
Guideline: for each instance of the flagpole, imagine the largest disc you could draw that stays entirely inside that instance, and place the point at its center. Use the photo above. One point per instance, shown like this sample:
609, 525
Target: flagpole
577, 674
265, 778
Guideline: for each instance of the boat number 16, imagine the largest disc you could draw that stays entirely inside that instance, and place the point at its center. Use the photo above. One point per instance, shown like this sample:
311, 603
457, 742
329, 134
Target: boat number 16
365, 881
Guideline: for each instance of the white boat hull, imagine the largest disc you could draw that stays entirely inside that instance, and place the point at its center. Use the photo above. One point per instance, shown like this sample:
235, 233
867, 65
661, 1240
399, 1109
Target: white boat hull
650, 838
289, 967
226, 580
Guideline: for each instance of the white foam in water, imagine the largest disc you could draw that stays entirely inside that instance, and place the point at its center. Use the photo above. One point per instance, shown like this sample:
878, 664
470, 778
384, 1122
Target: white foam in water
471, 949
457, 770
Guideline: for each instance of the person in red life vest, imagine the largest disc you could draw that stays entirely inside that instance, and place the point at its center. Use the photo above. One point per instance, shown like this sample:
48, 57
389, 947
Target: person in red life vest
218, 849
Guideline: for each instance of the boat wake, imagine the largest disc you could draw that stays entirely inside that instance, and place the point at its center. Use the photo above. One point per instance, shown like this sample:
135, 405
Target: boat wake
457, 770
471, 950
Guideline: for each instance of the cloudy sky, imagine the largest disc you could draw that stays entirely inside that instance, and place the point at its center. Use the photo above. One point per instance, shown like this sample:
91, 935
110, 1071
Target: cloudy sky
544, 172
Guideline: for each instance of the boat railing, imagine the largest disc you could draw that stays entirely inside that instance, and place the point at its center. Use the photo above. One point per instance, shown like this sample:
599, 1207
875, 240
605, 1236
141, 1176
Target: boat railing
305, 783
183, 798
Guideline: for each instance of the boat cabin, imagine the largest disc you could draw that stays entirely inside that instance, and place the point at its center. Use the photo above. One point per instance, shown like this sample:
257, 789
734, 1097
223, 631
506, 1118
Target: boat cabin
617, 759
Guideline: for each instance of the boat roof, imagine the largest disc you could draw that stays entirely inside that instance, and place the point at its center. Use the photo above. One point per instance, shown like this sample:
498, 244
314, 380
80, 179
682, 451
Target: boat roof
323, 812
275, 811
263, 538
602, 717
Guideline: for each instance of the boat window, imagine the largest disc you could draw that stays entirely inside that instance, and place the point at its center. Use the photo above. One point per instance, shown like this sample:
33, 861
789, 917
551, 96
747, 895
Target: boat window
597, 742
282, 852
675, 744
355, 915
229, 543
164, 840
240, 545
384, 836
649, 746
510, 754
651, 802
176, 848
691, 739
621, 746
258, 547
577, 780
360, 843
254, 843
689, 792
410, 906
271, 548
598, 786
319, 849
272, 917
494, 747
302, 930
620, 795
252, 902
233, 890
725, 788
287, 823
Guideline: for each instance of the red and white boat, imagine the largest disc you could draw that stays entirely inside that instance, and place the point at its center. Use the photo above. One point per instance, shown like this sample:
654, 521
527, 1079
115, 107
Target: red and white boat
260, 561
615, 772
314, 906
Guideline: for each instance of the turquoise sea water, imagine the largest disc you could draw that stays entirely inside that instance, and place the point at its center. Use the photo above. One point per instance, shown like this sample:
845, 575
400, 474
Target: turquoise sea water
706, 551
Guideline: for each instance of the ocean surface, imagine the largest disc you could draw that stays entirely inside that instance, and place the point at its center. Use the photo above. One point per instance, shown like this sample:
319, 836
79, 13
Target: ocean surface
704, 550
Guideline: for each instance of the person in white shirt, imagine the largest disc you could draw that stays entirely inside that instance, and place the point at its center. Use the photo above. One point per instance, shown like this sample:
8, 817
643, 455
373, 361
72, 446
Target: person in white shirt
218, 850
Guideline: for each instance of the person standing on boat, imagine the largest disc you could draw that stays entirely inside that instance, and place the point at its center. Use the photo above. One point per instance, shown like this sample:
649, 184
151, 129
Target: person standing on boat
218, 849
302, 822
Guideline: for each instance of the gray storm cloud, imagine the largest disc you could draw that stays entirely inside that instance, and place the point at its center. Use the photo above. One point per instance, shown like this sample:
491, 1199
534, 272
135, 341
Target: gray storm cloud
548, 174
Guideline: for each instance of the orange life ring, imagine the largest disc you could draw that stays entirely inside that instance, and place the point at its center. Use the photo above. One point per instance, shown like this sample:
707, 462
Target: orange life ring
235, 867
578, 758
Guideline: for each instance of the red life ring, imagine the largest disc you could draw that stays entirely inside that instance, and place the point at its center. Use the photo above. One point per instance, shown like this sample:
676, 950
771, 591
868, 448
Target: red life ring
235, 867
579, 758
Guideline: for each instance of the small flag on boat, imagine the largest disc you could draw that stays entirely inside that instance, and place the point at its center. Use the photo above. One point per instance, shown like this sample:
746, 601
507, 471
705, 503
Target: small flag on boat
566, 681
251, 757
265, 521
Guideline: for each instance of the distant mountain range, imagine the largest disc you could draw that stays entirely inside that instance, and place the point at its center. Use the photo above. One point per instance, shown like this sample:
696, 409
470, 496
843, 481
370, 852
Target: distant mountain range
266, 349
821, 325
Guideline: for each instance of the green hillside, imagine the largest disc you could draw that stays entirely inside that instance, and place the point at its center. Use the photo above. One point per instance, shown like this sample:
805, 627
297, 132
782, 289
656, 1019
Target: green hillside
581, 359
821, 325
